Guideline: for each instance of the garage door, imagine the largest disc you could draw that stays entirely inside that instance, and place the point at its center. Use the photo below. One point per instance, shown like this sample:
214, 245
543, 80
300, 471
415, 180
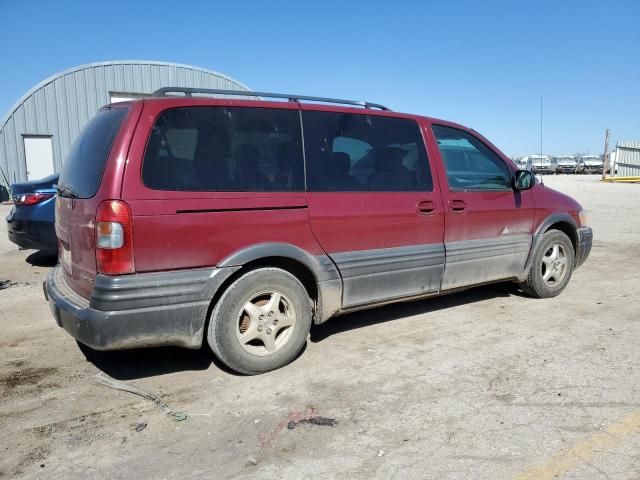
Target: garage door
38, 153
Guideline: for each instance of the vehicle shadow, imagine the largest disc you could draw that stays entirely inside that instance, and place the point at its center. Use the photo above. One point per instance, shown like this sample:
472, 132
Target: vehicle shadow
42, 258
366, 318
150, 362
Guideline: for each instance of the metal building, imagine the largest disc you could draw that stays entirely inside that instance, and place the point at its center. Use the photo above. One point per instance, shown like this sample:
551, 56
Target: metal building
626, 160
40, 128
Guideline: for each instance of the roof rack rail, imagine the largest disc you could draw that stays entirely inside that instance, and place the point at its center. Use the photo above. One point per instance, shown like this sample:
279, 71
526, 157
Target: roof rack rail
163, 92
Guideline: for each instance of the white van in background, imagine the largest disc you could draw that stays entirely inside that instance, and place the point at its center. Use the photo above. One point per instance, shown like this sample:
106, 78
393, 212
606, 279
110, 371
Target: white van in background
590, 164
539, 164
565, 164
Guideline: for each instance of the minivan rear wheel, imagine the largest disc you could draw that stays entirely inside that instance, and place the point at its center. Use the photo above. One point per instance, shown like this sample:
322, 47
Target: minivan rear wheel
551, 266
261, 322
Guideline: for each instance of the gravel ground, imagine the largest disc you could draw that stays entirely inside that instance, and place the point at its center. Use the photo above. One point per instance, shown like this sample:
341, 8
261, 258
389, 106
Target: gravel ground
484, 384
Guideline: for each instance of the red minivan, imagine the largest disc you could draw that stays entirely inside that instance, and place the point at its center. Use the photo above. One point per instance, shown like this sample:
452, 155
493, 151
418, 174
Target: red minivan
244, 221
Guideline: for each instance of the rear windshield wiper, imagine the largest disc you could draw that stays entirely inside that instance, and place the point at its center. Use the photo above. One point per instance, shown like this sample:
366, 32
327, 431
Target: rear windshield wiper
64, 191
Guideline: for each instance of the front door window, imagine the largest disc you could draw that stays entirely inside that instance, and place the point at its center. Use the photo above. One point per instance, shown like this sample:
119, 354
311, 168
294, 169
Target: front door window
470, 165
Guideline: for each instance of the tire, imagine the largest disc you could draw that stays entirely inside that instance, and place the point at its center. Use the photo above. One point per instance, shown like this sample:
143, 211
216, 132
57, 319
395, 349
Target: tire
251, 308
557, 278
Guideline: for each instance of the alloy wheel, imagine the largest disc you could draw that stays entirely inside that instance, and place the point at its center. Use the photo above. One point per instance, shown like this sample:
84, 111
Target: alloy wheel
265, 323
554, 265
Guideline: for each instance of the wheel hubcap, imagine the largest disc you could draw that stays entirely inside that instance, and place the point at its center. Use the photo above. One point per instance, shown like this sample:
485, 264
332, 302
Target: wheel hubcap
265, 323
554, 265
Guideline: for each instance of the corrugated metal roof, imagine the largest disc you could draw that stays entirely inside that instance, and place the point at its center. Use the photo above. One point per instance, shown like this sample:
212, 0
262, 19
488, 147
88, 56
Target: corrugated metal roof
63, 103
156, 77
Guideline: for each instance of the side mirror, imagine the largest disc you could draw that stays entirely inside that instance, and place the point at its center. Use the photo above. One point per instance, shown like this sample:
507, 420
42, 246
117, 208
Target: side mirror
523, 180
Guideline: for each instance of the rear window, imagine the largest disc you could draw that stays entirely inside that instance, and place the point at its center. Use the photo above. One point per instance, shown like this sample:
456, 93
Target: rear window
225, 149
84, 166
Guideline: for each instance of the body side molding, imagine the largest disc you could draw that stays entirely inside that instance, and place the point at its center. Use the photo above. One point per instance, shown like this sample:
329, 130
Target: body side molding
475, 262
379, 275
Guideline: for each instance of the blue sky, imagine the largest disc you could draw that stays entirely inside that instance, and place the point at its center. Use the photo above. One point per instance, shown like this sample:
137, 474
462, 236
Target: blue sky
484, 64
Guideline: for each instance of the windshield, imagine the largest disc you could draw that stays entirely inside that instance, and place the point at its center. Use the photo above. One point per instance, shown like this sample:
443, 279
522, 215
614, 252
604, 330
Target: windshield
83, 168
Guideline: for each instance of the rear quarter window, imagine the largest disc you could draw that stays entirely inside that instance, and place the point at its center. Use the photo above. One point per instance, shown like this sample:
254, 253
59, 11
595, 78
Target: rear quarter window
225, 149
84, 166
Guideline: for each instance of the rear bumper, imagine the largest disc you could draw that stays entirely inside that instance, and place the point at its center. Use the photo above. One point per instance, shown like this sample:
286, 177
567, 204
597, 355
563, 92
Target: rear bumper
585, 239
32, 234
135, 311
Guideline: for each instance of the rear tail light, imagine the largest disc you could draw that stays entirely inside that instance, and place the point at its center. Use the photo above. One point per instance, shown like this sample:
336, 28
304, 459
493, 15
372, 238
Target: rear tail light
114, 238
32, 198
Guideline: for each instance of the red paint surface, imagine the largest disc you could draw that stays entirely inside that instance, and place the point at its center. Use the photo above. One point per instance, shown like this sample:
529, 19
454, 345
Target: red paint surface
164, 239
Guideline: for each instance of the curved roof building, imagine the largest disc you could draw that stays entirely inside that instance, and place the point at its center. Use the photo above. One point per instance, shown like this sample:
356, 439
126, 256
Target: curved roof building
38, 131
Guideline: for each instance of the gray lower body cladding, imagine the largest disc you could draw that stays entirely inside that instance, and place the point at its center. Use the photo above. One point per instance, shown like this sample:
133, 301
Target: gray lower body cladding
371, 276
170, 308
585, 239
133, 311
474, 262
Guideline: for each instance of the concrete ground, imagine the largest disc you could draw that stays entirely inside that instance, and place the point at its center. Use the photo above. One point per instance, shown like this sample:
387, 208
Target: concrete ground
484, 384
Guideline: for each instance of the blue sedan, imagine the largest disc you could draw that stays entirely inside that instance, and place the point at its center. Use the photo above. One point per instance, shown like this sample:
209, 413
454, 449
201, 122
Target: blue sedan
31, 221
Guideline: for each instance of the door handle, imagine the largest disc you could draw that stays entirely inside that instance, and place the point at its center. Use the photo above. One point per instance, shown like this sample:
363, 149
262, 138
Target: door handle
426, 207
458, 206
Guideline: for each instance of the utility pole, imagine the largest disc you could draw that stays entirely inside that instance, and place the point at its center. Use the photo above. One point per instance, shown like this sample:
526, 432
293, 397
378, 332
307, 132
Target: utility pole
541, 128
605, 167
533, 162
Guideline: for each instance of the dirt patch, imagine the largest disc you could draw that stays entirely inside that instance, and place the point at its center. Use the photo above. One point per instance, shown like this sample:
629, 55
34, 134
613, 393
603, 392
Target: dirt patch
462, 382
16, 363
38, 454
4, 284
14, 342
23, 377
320, 421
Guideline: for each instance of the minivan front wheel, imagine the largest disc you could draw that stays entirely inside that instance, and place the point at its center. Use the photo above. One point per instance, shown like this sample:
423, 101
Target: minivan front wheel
261, 322
551, 266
